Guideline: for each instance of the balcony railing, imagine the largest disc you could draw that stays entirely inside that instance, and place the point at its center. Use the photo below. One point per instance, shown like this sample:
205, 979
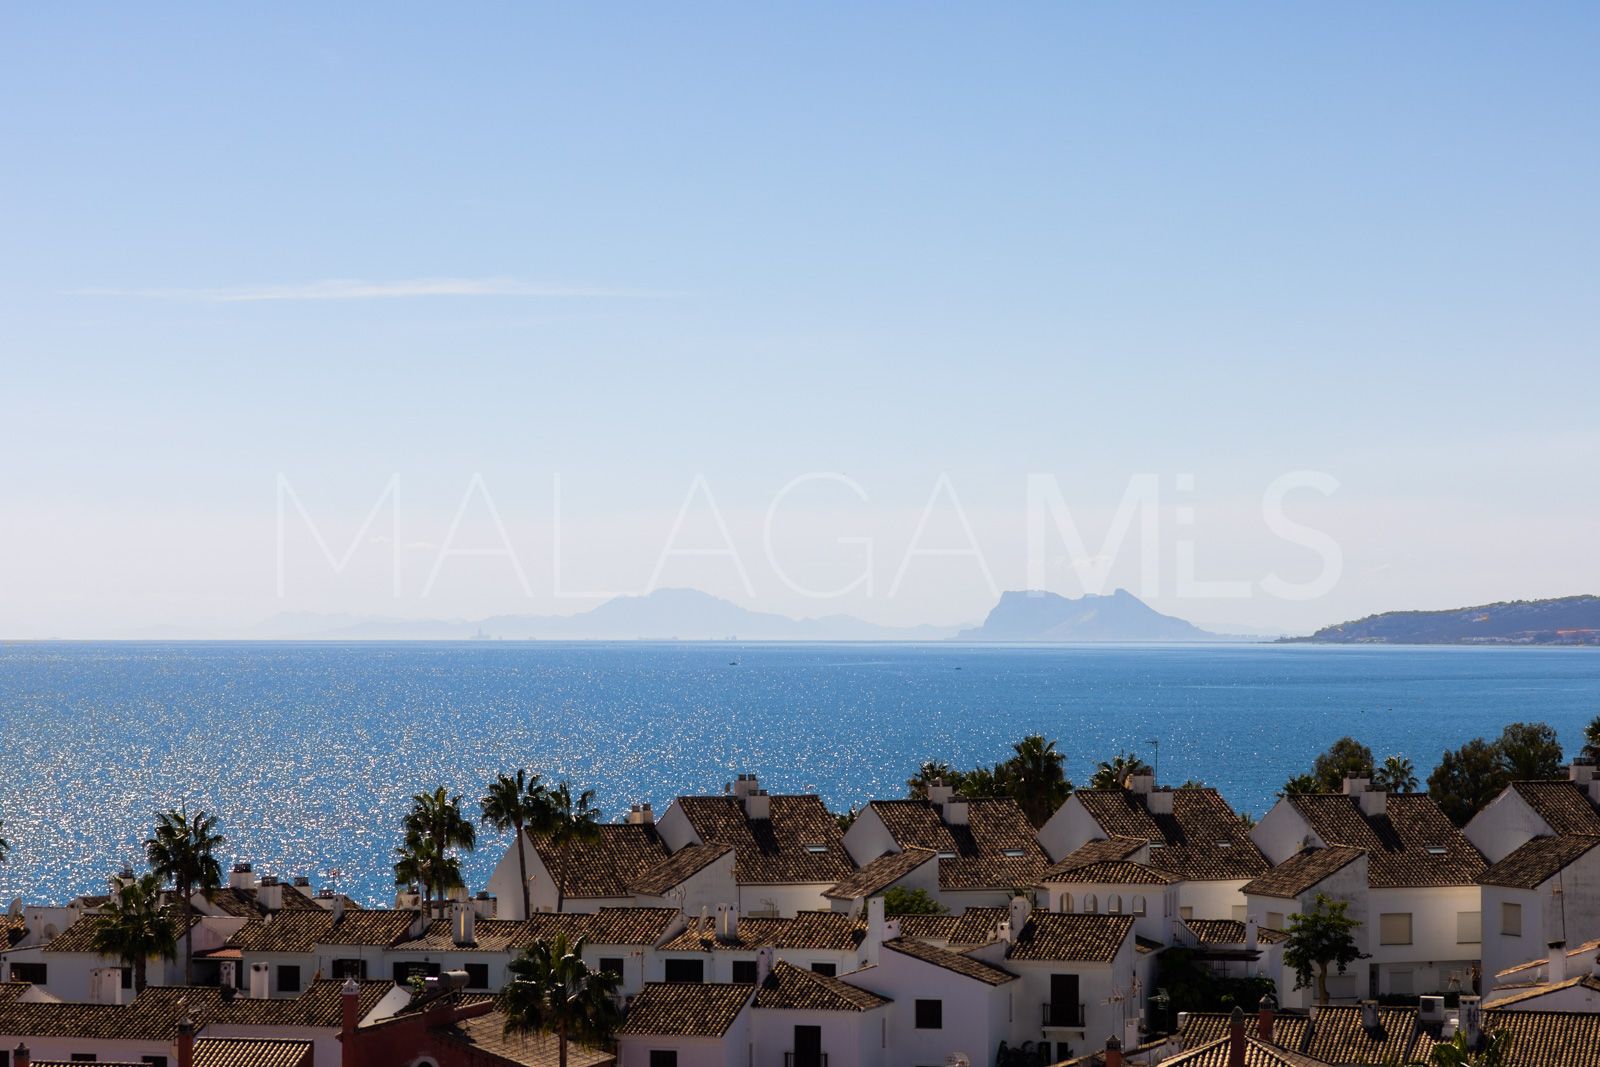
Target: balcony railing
1063, 1015
805, 1059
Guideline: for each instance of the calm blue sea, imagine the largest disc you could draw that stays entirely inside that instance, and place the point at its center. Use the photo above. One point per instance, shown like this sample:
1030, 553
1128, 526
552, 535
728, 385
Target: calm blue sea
309, 752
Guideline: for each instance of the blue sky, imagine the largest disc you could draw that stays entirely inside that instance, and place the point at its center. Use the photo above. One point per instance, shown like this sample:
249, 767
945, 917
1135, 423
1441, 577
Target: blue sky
636, 246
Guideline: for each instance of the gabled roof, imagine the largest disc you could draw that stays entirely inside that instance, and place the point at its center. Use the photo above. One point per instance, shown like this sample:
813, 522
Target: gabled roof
927, 927
489, 935
251, 1052
685, 1009
1257, 1053
975, 926
815, 930
604, 868
1230, 932
1548, 1038
1201, 840
1537, 861
1523, 996
678, 868
800, 843
485, 1034
79, 936
966, 966
1061, 937
880, 874
790, 987
1111, 872
1411, 844
1587, 949
1104, 850
1564, 806
995, 848
1301, 871
629, 926
301, 931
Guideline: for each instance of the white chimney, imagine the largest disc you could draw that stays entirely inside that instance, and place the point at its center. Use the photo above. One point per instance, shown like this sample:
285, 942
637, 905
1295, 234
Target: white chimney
241, 877
1431, 1009
758, 805
744, 786
938, 792
763, 963
463, 923
1356, 786
1143, 784
258, 981
1471, 1019
230, 975
722, 922
1021, 908
957, 811
337, 909
1594, 790
1581, 771
302, 885
270, 894
876, 922
1556, 970
1252, 935
1159, 802
1369, 1014
891, 928
641, 815
105, 985
484, 905
1374, 802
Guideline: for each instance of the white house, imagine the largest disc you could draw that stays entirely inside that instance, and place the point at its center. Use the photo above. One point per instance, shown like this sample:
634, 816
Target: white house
680, 1024
1537, 897
597, 874
1526, 810
803, 1019
726, 947
1089, 882
945, 1003
913, 869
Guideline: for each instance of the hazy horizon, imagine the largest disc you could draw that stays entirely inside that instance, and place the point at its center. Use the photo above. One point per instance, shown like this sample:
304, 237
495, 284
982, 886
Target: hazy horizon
1277, 317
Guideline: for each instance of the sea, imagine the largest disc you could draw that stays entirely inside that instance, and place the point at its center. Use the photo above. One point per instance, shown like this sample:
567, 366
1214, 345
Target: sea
309, 753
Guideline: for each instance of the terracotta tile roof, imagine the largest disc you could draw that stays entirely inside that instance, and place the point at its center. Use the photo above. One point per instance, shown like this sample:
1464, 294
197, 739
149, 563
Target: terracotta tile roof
490, 935
750, 933
604, 868
817, 930
927, 927
246, 903
10, 990
677, 868
1520, 996
486, 1034
1055, 936
775, 851
301, 931
630, 926
790, 987
1564, 806
1204, 1027
1257, 1053
1201, 840
319, 1006
880, 874
975, 926
995, 849
682, 1009
951, 961
1536, 862
1411, 844
251, 1052
1301, 871
1115, 872
1548, 1038
1104, 850
1230, 932
1338, 1036
79, 936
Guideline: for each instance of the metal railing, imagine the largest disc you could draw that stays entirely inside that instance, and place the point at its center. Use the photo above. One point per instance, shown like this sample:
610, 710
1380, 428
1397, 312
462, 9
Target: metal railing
1063, 1014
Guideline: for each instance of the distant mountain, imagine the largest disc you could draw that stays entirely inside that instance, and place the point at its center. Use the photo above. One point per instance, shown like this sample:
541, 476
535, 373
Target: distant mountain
663, 615
1033, 615
1572, 620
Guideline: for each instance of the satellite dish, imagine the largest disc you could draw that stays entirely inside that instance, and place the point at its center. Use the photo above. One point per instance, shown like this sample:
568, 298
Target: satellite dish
958, 1059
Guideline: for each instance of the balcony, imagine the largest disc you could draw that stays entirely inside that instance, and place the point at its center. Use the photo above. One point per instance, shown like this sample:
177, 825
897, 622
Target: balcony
1066, 1015
805, 1059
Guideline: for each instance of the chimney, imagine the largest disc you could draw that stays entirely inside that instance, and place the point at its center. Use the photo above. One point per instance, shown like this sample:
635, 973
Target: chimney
1113, 1056
350, 1019
938, 792
1556, 969
1471, 1013
1265, 1013
1594, 790
20, 1058
241, 877
302, 885
1356, 786
1236, 1039
270, 894
875, 927
105, 985
1252, 935
258, 981
763, 963
1021, 908
1581, 772
957, 811
891, 928
1143, 784
186, 1042
758, 805
484, 904
463, 923
1369, 1014
1374, 802
1159, 801
744, 786
230, 975
337, 909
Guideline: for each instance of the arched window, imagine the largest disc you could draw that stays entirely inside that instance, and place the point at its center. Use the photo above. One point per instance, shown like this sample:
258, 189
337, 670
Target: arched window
1090, 905
1066, 902
1114, 904
1139, 906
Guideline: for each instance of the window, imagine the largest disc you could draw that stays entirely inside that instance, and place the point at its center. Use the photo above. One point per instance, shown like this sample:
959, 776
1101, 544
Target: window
82, 1057
817, 850
1275, 920
1394, 928
30, 972
288, 978
154, 1061
663, 1057
930, 1015
1013, 853
1469, 927
350, 968
612, 964
827, 970
1066, 902
744, 972
1090, 905
1401, 983
127, 978
1186, 913
1510, 920
1114, 904
477, 975
1139, 907
685, 970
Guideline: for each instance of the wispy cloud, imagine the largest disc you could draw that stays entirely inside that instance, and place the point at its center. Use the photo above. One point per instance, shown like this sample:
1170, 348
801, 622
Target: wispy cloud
357, 289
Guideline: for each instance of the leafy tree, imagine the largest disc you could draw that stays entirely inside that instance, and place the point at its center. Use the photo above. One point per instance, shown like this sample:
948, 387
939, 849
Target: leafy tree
1115, 772
1397, 775
1191, 986
435, 827
184, 850
899, 900
1345, 758
1591, 740
846, 819
1034, 777
930, 772
1299, 785
134, 926
1530, 751
574, 821
1467, 779
1496, 1052
552, 991
1318, 939
518, 803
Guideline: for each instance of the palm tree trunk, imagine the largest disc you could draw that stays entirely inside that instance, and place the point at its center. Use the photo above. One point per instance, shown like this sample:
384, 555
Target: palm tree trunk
139, 975
522, 869
561, 1053
188, 937
561, 880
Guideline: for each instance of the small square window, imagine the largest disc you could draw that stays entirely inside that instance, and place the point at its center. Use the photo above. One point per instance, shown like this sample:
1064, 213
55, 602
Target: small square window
744, 972
288, 978
477, 975
1469, 927
1510, 919
1394, 928
930, 1015
827, 970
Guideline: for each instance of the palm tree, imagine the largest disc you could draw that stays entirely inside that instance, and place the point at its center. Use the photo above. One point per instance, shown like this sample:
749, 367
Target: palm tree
1397, 775
930, 772
1591, 740
516, 803
434, 827
552, 991
135, 926
573, 822
1496, 1052
1115, 772
1035, 778
183, 849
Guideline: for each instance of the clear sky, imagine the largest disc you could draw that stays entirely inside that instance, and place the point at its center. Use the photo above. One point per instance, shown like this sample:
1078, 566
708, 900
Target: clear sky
636, 246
